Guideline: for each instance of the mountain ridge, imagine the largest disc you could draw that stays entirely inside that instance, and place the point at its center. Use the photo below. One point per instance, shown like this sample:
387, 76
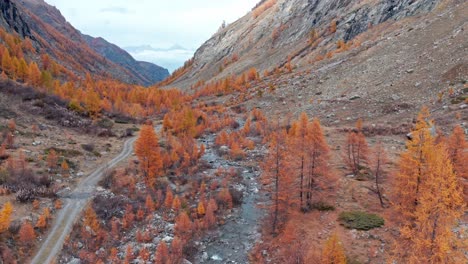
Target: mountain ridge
286, 26
150, 74
51, 34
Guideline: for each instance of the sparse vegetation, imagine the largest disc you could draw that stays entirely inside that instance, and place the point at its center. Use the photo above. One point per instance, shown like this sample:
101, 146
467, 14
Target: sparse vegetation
360, 220
262, 7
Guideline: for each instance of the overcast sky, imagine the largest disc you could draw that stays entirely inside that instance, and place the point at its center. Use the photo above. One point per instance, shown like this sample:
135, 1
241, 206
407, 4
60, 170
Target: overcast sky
158, 23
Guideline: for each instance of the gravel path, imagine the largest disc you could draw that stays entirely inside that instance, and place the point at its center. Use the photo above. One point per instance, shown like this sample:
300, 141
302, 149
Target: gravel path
74, 203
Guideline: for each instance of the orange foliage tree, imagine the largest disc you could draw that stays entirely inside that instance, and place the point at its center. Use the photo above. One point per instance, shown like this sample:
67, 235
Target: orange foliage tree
177, 247
52, 159
162, 253
333, 252
317, 152
5, 215
26, 234
147, 150
183, 226
413, 165
356, 150
277, 179
428, 201
169, 198
91, 219
457, 147
310, 155
41, 222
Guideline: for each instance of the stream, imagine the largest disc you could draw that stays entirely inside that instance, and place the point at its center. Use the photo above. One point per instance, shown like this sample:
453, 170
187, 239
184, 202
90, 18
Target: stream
232, 242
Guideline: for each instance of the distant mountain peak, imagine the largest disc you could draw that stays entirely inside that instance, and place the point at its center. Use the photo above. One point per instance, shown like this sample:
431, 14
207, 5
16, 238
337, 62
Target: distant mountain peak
53, 35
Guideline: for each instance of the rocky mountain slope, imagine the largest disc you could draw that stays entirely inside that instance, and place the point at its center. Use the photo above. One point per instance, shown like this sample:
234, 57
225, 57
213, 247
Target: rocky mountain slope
276, 30
51, 34
10, 18
147, 72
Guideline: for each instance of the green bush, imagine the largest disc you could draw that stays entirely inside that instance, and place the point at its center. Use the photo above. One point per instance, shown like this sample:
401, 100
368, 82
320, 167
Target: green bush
105, 123
323, 206
360, 220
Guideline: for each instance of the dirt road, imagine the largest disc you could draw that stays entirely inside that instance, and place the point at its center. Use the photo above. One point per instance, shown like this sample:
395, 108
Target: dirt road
74, 203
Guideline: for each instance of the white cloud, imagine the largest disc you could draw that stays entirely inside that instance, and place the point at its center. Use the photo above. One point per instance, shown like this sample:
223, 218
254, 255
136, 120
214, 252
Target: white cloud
115, 9
152, 22
170, 59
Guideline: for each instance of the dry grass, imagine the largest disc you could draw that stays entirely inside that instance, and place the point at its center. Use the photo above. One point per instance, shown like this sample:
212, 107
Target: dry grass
263, 7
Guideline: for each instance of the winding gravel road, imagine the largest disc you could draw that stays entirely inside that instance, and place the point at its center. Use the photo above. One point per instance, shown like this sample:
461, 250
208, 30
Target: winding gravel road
74, 203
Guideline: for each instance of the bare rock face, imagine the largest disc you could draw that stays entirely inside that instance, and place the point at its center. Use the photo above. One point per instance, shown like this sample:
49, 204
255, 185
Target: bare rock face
269, 37
10, 17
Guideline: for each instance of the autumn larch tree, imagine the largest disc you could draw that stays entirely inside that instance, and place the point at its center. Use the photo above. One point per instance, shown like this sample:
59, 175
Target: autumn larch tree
183, 226
90, 219
427, 234
149, 204
333, 252
428, 201
34, 75
413, 165
356, 150
277, 178
162, 254
41, 222
169, 198
26, 234
52, 159
93, 103
148, 152
177, 247
300, 132
128, 255
176, 204
65, 167
457, 148
210, 218
144, 254
3, 154
317, 153
5, 215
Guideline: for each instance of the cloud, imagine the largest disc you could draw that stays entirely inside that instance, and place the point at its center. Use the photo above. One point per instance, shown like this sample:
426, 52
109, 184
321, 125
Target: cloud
115, 9
158, 23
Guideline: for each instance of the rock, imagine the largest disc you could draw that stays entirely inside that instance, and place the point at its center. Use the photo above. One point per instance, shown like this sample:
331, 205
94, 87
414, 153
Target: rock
80, 245
224, 148
184, 261
216, 257
74, 261
80, 174
36, 143
205, 256
395, 97
354, 97
463, 106
410, 71
167, 239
